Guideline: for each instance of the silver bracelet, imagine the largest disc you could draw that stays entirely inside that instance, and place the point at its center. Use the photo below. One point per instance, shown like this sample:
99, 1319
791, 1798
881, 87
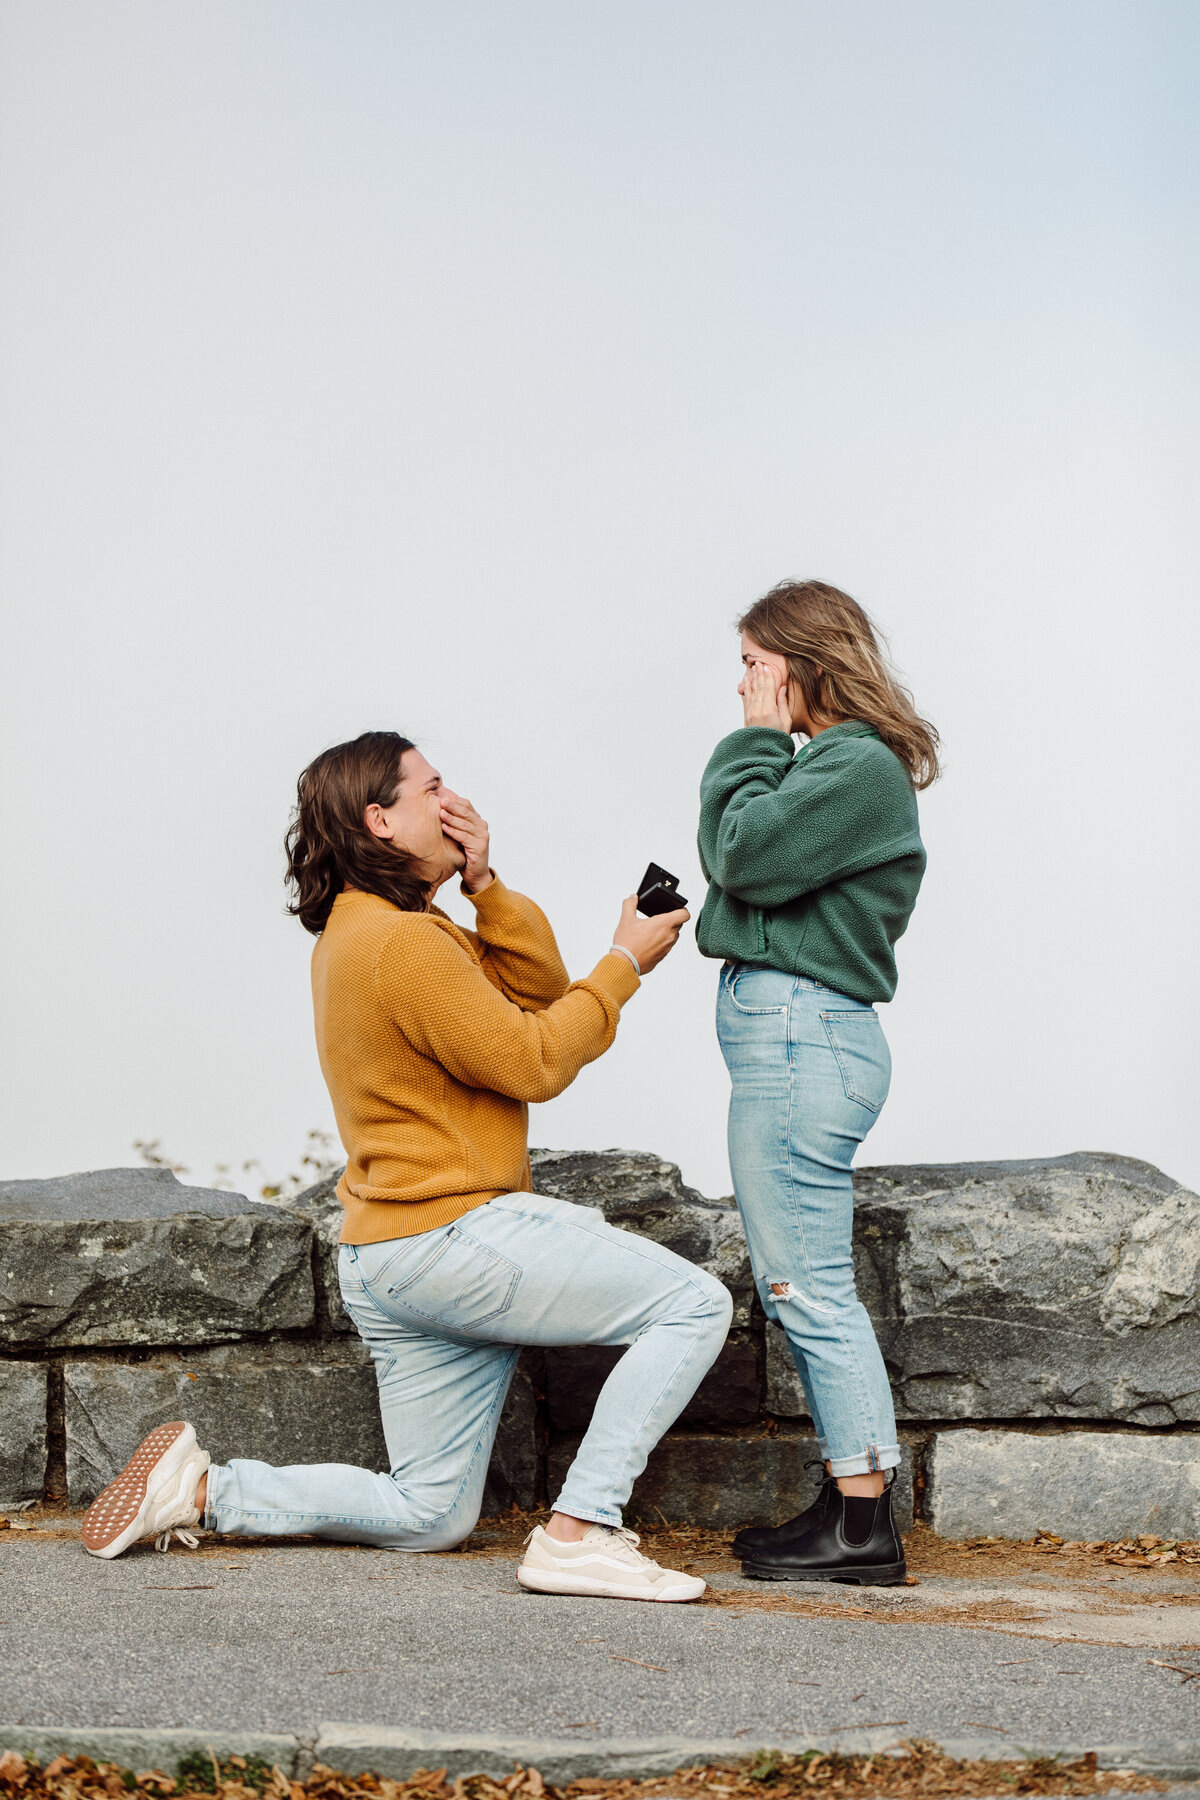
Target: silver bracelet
620, 950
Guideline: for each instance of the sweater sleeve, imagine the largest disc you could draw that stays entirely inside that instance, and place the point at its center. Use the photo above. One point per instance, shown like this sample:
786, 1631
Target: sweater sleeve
515, 944
766, 839
450, 1012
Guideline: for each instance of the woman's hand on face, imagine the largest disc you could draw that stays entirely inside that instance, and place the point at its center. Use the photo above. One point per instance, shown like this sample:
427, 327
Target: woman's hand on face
765, 698
649, 939
463, 824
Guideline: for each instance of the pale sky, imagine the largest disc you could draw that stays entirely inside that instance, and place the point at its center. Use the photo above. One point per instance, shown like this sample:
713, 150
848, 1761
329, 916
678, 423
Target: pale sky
464, 368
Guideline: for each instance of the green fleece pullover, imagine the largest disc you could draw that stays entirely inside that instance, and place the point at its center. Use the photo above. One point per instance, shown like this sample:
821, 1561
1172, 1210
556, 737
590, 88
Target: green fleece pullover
813, 857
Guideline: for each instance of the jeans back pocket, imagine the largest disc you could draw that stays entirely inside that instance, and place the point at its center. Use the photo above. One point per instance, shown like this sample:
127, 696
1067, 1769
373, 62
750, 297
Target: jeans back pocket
462, 1287
863, 1058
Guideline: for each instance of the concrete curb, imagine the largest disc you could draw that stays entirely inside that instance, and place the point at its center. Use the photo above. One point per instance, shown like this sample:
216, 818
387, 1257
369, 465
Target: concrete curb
154, 1747
395, 1753
355, 1748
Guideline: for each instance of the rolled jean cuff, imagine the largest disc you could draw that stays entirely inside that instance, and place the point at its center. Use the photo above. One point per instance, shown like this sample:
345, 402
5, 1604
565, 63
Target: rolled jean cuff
595, 1515
867, 1463
209, 1520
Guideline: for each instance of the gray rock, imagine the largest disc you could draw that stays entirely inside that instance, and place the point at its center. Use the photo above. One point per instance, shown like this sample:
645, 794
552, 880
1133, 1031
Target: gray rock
1066, 1287
1080, 1484
515, 1475
98, 1195
785, 1395
132, 1256
22, 1432
320, 1205
730, 1394
643, 1193
726, 1481
278, 1403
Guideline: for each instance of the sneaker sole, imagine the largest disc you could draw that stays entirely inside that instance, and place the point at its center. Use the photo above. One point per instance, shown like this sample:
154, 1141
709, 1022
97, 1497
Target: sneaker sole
551, 1581
880, 1575
115, 1519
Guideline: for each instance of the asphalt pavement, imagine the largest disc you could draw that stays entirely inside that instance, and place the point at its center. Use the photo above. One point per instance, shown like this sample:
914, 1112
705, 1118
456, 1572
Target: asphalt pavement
367, 1659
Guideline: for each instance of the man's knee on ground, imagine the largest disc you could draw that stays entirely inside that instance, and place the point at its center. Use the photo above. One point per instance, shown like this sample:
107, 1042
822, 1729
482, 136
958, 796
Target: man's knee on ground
442, 1534
445, 1529
424, 1540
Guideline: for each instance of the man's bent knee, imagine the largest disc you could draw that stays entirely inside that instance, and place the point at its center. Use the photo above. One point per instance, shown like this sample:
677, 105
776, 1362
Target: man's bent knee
442, 1534
714, 1305
439, 1530
437, 1535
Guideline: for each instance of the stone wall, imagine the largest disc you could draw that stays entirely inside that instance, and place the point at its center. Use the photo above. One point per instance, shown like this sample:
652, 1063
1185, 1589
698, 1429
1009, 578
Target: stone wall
1040, 1320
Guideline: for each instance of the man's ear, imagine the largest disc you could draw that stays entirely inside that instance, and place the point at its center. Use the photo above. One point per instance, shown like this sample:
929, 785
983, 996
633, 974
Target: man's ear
375, 822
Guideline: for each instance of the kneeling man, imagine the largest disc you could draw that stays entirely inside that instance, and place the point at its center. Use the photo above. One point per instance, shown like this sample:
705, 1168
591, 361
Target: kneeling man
433, 1040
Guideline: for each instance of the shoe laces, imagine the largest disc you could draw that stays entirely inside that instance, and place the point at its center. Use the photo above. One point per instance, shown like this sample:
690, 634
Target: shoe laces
186, 1538
625, 1543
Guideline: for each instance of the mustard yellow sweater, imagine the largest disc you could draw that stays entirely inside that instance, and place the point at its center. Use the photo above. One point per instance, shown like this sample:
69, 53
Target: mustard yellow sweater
432, 1042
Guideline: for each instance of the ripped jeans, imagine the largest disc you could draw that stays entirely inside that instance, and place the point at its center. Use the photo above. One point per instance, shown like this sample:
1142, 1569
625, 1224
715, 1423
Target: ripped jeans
444, 1315
810, 1070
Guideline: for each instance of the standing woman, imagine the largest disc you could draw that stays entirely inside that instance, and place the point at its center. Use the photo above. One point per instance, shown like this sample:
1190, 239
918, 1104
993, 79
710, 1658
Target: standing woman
814, 859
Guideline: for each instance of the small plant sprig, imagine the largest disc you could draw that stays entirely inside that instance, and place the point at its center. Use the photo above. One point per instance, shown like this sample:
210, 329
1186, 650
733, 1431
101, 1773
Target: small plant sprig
320, 1159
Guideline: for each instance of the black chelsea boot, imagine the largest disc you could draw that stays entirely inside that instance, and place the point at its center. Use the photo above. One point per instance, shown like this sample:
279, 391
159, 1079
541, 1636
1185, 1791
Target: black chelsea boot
856, 1541
761, 1540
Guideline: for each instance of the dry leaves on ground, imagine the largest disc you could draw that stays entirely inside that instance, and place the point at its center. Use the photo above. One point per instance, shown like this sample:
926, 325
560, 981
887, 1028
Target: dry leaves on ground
1145, 1552
696, 1547
908, 1771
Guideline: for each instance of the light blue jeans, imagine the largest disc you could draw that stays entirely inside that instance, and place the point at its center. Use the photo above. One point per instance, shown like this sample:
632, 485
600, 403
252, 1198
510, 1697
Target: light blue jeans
810, 1070
444, 1315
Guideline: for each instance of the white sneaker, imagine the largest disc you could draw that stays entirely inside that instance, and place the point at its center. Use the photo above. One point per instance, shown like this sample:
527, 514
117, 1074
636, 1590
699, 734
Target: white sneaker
153, 1496
606, 1561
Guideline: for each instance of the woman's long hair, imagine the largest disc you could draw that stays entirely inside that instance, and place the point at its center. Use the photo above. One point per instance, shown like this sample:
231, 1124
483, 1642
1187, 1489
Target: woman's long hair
835, 656
328, 844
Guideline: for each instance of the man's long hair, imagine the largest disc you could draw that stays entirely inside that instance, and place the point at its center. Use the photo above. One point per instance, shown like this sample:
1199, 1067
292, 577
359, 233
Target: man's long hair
328, 844
835, 657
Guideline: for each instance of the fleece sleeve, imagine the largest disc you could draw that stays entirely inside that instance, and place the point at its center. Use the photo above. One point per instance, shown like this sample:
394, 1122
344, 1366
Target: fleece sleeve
771, 832
447, 1008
